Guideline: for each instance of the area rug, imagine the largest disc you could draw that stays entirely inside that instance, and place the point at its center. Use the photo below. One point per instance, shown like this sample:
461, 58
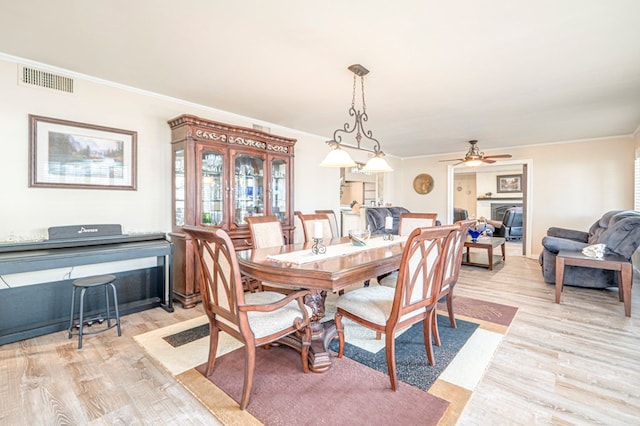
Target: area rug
349, 393
356, 389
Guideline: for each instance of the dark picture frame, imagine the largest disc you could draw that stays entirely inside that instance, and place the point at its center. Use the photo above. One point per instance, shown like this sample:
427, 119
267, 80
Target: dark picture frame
68, 154
509, 183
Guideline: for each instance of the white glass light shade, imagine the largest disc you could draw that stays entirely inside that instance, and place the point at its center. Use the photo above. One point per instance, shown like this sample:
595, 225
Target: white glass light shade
473, 163
377, 165
338, 157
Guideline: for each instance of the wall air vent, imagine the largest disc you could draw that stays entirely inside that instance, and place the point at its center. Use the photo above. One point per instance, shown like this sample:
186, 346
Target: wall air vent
38, 78
261, 128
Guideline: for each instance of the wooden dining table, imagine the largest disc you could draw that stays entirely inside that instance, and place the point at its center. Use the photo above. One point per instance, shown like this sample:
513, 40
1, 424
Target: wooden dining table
321, 276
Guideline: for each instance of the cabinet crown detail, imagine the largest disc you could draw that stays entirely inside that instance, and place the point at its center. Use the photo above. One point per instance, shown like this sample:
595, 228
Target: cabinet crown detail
202, 129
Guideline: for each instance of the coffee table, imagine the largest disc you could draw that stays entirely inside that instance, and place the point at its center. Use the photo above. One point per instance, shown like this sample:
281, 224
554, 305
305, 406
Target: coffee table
613, 262
485, 243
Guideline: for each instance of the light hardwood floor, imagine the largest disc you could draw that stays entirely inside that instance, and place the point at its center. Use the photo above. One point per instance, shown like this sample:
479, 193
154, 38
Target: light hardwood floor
573, 363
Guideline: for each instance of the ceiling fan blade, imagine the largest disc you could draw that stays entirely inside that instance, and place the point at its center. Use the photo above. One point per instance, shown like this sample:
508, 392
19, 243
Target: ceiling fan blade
487, 160
498, 156
453, 159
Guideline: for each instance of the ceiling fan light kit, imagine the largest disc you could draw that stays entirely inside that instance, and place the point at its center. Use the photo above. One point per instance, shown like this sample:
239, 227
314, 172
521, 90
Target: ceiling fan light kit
474, 157
338, 157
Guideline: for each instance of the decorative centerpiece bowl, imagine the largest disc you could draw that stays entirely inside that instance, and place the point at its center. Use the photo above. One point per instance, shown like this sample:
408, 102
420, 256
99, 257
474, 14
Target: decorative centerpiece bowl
359, 237
476, 230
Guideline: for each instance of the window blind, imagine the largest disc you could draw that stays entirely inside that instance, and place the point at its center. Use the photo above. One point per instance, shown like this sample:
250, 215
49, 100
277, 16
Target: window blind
636, 184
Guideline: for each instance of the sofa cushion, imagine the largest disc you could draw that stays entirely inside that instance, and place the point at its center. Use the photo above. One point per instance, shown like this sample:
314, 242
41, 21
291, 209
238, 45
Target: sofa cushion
555, 244
570, 234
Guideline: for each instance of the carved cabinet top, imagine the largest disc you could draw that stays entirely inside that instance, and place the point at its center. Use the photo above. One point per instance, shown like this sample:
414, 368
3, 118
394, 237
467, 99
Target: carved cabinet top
195, 128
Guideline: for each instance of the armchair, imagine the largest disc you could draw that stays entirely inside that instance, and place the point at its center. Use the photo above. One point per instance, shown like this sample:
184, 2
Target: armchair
512, 221
460, 214
619, 230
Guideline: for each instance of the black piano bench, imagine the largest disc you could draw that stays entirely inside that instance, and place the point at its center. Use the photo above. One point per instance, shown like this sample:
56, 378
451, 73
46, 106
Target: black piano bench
81, 322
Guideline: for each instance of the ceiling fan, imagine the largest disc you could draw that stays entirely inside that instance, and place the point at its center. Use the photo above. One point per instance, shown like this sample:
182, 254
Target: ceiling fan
474, 157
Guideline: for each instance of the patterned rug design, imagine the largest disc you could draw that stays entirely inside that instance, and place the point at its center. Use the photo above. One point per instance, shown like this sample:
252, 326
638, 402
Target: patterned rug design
357, 380
411, 356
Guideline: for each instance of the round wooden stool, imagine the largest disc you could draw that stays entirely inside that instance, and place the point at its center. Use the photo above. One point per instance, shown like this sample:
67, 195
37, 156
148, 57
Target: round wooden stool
83, 284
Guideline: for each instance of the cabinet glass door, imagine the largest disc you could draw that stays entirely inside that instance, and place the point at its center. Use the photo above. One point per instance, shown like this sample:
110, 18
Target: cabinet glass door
249, 187
279, 189
212, 188
178, 181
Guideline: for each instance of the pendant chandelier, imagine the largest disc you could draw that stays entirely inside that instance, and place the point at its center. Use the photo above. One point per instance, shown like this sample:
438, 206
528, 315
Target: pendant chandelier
338, 157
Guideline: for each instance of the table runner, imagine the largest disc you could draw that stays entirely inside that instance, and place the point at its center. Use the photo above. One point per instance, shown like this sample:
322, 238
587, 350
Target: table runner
306, 256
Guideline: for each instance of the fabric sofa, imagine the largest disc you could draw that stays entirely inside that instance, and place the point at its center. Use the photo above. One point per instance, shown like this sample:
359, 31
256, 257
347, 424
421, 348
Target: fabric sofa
377, 215
619, 230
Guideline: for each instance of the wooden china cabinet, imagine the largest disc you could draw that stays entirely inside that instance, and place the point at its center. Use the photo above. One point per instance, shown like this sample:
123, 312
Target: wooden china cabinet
221, 175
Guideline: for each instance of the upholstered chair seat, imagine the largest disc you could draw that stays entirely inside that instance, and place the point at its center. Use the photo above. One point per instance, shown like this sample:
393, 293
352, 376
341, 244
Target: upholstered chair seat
265, 323
372, 304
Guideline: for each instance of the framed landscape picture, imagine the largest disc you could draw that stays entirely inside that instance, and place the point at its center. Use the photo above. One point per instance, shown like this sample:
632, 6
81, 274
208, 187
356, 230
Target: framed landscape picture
509, 183
67, 154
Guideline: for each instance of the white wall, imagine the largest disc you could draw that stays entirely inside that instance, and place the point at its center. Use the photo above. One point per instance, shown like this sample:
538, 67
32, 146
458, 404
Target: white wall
28, 212
572, 184
464, 193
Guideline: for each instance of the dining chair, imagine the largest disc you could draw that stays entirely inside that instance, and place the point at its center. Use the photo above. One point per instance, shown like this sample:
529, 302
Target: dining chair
451, 267
333, 221
266, 231
406, 224
298, 232
308, 223
255, 319
411, 221
388, 310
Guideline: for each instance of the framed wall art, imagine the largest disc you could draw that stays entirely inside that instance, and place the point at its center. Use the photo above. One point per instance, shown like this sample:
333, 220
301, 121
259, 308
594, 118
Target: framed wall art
509, 183
67, 154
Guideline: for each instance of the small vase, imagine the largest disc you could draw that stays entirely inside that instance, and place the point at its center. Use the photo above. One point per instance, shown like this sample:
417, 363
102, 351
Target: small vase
474, 235
476, 231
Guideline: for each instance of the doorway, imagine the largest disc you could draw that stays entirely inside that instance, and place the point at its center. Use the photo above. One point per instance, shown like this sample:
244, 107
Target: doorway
476, 189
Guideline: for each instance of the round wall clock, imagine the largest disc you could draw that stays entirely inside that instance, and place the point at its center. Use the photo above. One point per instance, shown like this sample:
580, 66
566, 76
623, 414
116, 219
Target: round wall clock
423, 183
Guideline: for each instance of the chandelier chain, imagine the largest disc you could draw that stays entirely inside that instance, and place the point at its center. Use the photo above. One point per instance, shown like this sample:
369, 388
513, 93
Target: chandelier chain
364, 105
353, 96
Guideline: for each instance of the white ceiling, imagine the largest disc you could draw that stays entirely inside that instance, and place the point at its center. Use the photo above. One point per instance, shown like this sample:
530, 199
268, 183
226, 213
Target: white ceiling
505, 72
